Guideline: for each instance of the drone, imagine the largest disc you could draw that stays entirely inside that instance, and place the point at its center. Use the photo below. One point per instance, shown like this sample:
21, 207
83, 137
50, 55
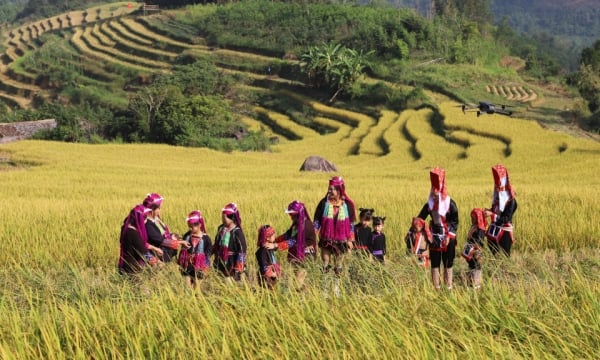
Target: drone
485, 107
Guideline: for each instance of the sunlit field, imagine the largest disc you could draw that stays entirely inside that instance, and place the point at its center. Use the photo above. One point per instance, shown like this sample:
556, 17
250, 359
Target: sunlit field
63, 205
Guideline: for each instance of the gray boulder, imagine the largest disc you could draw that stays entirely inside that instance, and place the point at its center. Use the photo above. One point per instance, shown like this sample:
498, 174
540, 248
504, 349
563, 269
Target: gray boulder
317, 163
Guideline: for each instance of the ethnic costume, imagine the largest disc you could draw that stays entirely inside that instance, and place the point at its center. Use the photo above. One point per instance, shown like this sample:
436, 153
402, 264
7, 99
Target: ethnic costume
362, 232
500, 232
417, 241
378, 243
158, 232
335, 221
194, 260
268, 268
473, 250
444, 224
230, 245
300, 239
134, 254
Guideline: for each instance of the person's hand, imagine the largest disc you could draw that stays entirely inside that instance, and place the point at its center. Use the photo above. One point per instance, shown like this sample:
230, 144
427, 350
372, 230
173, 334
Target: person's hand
350, 245
158, 251
184, 243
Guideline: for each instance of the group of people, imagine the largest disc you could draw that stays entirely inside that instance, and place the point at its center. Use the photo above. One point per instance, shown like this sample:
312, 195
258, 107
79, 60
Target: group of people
333, 229
434, 243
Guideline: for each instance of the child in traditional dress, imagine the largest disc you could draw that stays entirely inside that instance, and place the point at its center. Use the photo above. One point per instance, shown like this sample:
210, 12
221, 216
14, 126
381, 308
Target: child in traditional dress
417, 241
194, 259
268, 268
378, 246
362, 232
472, 251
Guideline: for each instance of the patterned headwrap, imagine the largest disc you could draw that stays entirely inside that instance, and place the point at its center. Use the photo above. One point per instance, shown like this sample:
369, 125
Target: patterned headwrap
264, 232
503, 191
340, 185
478, 218
437, 176
196, 217
233, 213
296, 207
136, 218
153, 201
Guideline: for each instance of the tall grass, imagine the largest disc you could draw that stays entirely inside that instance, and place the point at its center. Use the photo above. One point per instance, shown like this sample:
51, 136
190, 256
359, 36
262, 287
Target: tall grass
62, 297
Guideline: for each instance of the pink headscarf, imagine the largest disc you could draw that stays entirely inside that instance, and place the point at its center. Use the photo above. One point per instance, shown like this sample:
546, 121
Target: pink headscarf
196, 217
296, 207
231, 209
264, 232
340, 185
153, 200
136, 218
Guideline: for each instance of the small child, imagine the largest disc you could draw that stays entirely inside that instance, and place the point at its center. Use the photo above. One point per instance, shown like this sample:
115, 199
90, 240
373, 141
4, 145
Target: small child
362, 232
472, 251
269, 270
417, 241
194, 258
378, 246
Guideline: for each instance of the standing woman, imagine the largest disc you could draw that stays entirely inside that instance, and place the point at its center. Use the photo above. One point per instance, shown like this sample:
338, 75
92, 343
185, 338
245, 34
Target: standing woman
299, 240
504, 205
230, 244
135, 250
334, 219
158, 232
444, 223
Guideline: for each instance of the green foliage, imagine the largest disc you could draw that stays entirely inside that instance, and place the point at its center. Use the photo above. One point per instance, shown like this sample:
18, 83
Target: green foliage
333, 66
277, 28
185, 108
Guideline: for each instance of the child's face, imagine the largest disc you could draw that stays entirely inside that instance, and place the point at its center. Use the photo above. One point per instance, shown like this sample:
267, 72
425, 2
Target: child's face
418, 228
271, 238
378, 228
365, 221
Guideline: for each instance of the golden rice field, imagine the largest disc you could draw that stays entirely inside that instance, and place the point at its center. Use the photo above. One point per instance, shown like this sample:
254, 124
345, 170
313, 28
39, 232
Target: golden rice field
63, 205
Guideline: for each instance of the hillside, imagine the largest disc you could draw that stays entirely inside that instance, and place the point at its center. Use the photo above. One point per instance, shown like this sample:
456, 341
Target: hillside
572, 24
107, 53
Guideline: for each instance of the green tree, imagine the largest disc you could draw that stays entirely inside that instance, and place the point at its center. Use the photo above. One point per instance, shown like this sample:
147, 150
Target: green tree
333, 66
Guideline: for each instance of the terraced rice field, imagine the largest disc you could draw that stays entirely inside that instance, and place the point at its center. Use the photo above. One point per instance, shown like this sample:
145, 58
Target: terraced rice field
105, 36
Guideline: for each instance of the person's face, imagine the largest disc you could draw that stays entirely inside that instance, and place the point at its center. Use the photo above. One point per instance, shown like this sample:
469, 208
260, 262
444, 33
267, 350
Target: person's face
155, 213
194, 227
333, 192
379, 228
271, 238
365, 220
294, 218
418, 227
225, 220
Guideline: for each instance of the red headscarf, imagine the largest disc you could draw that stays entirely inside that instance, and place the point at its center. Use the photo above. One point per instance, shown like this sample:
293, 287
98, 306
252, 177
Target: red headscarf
503, 191
478, 218
441, 202
417, 221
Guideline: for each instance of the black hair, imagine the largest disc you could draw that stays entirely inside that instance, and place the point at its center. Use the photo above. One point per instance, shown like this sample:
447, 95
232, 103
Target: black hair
366, 213
378, 220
